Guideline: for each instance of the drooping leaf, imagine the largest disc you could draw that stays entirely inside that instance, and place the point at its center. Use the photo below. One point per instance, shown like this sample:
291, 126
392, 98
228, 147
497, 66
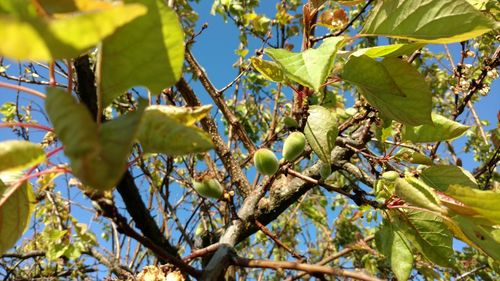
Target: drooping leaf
170, 131
484, 202
65, 36
430, 21
441, 129
394, 50
17, 155
393, 244
392, 86
98, 155
417, 193
478, 236
441, 177
311, 67
148, 51
321, 131
15, 213
428, 234
270, 70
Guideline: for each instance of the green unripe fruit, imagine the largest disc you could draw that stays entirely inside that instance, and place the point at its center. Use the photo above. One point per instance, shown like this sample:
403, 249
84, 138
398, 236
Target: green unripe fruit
290, 122
294, 146
390, 175
208, 188
265, 162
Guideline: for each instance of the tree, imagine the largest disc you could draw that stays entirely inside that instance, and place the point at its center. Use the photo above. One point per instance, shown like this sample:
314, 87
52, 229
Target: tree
364, 99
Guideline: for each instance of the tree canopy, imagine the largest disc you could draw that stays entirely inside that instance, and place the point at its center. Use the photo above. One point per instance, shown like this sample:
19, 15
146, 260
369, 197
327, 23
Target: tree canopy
353, 139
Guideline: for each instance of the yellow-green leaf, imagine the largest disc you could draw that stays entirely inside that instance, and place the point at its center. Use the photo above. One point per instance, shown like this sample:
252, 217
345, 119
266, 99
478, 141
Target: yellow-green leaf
147, 52
394, 50
392, 86
15, 212
64, 36
270, 70
441, 129
430, 21
17, 155
311, 67
393, 244
478, 236
321, 131
417, 193
171, 131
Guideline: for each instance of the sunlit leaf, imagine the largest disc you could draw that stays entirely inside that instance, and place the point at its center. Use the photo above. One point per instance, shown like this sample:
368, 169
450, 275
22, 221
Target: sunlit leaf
170, 131
431, 21
147, 52
412, 156
15, 213
441, 129
394, 50
392, 86
479, 236
484, 202
393, 244
417, 193
270, 70
321, 131
61, 37
17, 155
429, 234
311, 67
441, 177
68, 6
98, 155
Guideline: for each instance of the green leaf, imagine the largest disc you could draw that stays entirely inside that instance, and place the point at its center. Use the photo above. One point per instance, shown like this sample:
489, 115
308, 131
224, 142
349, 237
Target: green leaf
392, 86
15, 212
412, 156
479, 236
170, 130
270, 70
395, 50
442, 129
98, 155
430, 21
311, 67
417, 193
394, 245
429, 234
441, 177
17, 155
484, 202
321, 131
64, 36
148, 52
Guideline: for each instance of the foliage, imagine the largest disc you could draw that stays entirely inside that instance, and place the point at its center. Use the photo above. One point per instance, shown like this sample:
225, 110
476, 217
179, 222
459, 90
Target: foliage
387, 168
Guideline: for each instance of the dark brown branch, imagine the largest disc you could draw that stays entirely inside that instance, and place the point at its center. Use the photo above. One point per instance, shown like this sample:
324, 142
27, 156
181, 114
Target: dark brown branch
127, 188
232, 166
218, 98
271, 235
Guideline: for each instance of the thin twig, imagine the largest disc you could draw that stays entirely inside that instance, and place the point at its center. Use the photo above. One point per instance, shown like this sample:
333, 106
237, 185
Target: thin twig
22, 89
310, 268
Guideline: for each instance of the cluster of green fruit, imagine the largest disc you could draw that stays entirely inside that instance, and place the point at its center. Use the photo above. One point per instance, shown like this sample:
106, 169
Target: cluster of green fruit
266, 162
